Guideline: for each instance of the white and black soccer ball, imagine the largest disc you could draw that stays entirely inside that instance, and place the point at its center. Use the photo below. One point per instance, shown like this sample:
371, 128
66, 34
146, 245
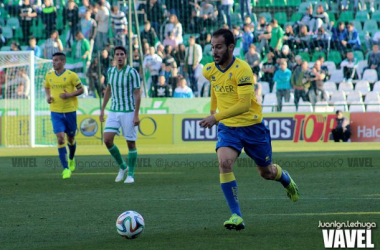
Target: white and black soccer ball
130, 224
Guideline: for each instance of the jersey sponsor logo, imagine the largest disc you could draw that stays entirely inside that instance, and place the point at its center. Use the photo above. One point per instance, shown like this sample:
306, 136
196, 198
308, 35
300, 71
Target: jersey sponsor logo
245, 79
213, 78
237, 65
59, 86
224, 89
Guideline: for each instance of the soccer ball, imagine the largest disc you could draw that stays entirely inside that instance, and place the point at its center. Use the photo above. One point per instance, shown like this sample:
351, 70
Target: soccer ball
130, 224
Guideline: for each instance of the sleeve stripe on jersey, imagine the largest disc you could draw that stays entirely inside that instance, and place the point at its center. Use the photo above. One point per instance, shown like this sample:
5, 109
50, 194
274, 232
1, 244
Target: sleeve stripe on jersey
244, 84
136, 80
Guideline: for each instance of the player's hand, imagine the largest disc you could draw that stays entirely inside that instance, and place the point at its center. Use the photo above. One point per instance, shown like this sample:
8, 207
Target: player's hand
50, 100
65, 95
101, 116
208, 122
136, 120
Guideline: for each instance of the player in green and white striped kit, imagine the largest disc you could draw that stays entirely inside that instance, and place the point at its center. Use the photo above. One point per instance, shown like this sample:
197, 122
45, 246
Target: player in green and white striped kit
123, 87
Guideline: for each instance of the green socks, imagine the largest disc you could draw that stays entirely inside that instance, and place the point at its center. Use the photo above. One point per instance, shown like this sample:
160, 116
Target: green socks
116, 154
132, 159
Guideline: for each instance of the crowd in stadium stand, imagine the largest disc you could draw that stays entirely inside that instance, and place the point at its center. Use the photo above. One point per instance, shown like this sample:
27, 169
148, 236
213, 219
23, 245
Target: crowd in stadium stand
302, 52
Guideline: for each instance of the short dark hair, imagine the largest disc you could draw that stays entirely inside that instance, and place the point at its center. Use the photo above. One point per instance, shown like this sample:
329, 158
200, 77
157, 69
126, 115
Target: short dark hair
228, 36
338, 111
32, 38
60, 54
119, 48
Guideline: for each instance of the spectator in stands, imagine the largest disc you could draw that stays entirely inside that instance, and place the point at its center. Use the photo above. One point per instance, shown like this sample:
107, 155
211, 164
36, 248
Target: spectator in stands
248, 20
153, 62
162, 89
349, 66
264, 39
276, 36
71, 17
174, 26
253, 58
319, 19
268, 69
204, 39
247, 37
375, 39
303, 39
52, 45
83, 9
324, 67
182, 90
33, 46
236, 32
102, 17
289, 37
317, 78
160, 50
192, 59
27, 14
148, 34
245, 8
287, 55
82, 48
180, 57
342, 131
320, 40
105, 60
3, 40
261, 26
282, 79
374, 59
351, 38
88, 28
119, 26
207, 14
337, 35
49, 17
154, 13
93, 78
305, 20
19, 86
226, 10
169, 64
301, 82
15, 46
136, 61
171, 41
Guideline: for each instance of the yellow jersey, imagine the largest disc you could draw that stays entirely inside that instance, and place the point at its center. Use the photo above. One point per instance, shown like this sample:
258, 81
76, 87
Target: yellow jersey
226, 86
68, 81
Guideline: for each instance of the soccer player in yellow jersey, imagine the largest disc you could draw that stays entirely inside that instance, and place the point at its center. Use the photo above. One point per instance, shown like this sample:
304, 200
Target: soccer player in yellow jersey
62, 87
239, 123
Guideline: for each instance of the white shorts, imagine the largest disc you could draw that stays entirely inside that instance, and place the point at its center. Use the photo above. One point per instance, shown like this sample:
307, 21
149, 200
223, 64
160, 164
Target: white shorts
117, 120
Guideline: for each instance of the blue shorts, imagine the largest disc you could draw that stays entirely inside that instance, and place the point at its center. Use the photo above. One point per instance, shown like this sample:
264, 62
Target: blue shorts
64, 122
255, 140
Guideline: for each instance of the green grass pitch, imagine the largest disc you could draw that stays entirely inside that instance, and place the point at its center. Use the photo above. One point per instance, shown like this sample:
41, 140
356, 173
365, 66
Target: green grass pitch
182, 203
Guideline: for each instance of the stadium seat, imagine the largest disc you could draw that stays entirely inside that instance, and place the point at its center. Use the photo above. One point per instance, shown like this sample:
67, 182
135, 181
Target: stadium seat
370, 75
264, 88
330, 65
331, 16
236, 19
354, 96
362, 86
361, 65
305, 107
338, 96
334, 56
337, 76
373, 107
358, 25
372, 97
270, 101
2, 22
376, 16
305, 56
7, 32
357, 107
281, 17
295, 17
346, 16
279, 3
358, 55
288, 107
6, 48
318, 54
346, 87
294, 3
362, 16
340, 105
376, 87
267, 16
371, 26
13, 22
329, 86
264, 3
321, 107
303, 6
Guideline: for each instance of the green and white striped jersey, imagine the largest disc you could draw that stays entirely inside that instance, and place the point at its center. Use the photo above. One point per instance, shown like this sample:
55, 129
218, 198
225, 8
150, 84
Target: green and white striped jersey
123, 82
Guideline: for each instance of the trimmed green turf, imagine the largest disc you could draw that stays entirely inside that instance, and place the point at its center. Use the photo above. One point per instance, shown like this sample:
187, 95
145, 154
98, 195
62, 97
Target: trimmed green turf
180, 198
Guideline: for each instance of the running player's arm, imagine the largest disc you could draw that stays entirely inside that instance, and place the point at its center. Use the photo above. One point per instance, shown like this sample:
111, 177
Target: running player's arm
137, 95
47, 90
